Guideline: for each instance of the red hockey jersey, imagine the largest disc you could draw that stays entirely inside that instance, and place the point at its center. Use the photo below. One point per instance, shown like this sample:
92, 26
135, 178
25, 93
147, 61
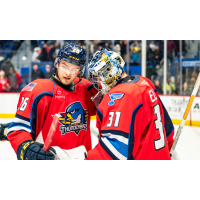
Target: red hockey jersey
40, 100
133, 123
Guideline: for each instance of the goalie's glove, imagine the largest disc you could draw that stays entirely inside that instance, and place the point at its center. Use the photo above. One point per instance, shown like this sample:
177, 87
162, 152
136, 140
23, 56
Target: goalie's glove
3, 131
30, 150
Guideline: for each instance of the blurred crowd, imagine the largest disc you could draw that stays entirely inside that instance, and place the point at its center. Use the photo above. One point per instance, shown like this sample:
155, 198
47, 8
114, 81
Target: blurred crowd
10, 80
47, 50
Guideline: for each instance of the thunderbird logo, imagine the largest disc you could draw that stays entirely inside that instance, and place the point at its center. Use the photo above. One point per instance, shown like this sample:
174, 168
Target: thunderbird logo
73, 119
113, 97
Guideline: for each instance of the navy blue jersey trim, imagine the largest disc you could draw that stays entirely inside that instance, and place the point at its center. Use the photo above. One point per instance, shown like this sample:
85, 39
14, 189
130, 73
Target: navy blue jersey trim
19, 124
131, 132
135, 80
169, 127
22, 117
53, 88
170, 133
107, 150
33, 114
155, 90
100, 115
81, 83
116, 132
90, 87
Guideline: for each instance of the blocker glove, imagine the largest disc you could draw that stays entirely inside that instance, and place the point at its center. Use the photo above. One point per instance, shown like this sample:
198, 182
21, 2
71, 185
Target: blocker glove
3, 131
30, 150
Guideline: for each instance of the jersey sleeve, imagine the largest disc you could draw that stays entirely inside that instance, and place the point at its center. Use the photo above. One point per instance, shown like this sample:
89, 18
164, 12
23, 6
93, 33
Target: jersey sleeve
32, 108
169, 127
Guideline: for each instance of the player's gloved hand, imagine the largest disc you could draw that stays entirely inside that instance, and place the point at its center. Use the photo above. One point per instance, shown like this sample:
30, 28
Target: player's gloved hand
3, 131
30, 150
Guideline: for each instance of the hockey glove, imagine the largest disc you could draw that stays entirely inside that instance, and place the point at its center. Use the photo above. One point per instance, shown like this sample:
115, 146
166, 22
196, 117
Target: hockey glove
3, 131
30, 150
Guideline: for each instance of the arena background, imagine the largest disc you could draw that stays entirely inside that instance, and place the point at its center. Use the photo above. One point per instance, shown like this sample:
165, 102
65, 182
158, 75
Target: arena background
172, 65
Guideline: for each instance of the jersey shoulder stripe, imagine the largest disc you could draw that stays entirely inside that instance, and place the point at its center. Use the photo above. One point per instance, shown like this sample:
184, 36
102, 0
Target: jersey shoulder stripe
131, 132
19, 123
115, 143
88, 85
100, 115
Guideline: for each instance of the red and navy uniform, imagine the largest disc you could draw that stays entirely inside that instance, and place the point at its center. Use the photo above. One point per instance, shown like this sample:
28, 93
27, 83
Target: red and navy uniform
133, 124
40, 100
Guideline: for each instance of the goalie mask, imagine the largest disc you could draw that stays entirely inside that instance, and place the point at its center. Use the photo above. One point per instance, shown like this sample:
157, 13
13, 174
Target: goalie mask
105, 69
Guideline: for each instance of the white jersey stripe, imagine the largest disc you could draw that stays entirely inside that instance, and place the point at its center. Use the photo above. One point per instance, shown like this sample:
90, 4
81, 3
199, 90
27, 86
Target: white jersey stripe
15, 128
17, 120
118, 137
112, 149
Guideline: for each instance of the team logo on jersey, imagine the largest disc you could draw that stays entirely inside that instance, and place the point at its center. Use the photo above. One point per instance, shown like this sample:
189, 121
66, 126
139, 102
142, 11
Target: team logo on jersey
59, 95
73, 119
113, 97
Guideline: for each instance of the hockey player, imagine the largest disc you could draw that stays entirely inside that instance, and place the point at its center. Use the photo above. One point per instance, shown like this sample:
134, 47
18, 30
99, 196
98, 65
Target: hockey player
132, 121
65, 93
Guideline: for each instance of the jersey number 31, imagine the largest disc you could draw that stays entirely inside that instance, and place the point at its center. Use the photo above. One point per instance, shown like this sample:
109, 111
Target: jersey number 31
160, 143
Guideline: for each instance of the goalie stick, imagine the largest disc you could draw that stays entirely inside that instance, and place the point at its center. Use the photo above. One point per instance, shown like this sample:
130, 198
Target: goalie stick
180, 128
51, 132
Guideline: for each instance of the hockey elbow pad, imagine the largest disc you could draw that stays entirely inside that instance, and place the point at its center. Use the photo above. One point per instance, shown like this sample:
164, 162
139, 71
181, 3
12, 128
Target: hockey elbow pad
30, 150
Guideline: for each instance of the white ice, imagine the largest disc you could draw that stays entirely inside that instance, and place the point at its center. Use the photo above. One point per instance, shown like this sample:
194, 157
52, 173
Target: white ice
188, 146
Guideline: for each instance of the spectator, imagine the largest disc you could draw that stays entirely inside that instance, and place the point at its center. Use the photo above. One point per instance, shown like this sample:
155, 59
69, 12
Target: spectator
53, 57
52, 51
117, 49
36, 53
44, 45
189, 86
44, 55
150, 54
135, 56
157, 56
49, 73
184, 46
158, 87
170, 47
14, 80
6, 65
36, 73
152, 46
123, 49
170, 87
4, 83
150, 72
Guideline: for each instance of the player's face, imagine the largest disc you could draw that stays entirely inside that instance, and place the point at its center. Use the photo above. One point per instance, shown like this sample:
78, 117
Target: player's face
67, 72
